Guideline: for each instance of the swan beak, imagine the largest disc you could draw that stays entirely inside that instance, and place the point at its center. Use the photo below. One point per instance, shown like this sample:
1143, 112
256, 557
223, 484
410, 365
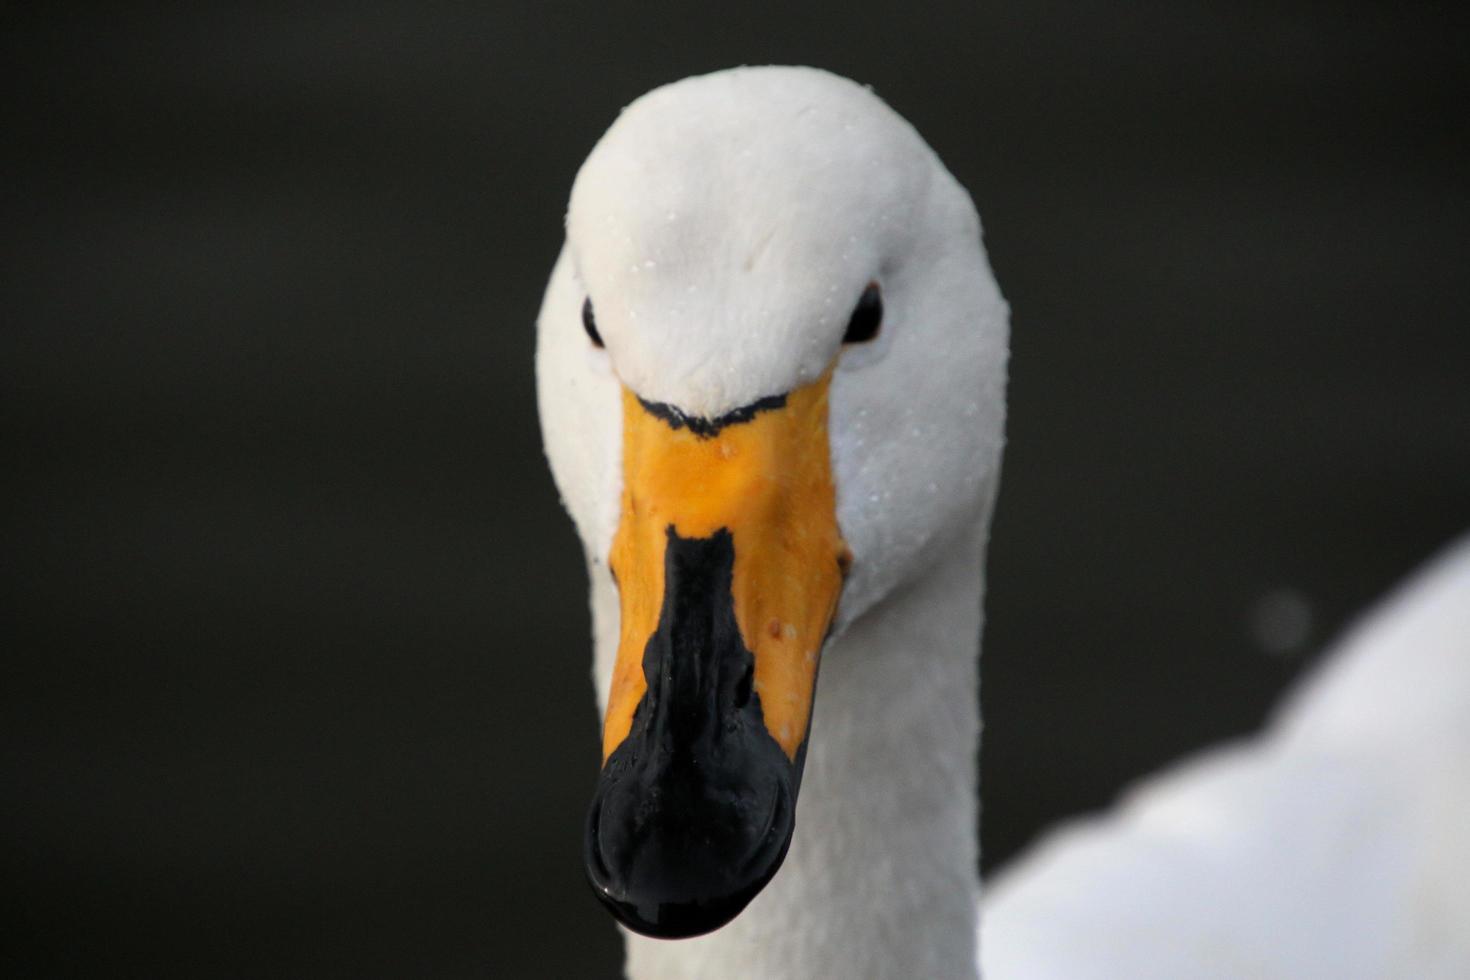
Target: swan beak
729, 563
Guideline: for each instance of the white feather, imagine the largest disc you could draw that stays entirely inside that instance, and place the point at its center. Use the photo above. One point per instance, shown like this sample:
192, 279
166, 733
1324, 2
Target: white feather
1335, 845
723, 228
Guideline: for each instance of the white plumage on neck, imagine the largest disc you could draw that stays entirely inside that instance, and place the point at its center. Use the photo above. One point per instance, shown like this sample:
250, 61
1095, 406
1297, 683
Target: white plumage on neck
882, 877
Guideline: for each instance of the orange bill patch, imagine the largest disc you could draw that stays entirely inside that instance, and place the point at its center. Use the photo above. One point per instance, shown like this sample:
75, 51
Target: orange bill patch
766, 478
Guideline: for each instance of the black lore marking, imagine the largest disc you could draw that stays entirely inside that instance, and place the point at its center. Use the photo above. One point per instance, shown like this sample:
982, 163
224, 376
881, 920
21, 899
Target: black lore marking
708, 428
694, 811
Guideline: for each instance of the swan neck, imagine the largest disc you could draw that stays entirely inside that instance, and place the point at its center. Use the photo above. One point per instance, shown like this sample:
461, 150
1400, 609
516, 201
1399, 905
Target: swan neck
882, 877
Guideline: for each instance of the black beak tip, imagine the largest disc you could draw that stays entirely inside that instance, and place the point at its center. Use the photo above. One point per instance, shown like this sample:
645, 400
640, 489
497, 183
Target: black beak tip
676, 920
670, 893
694, 809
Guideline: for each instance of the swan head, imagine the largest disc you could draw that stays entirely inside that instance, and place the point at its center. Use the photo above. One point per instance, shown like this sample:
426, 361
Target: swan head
771, 370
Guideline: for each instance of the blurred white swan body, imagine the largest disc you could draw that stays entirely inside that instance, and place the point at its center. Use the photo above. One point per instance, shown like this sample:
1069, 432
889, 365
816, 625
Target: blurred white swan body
1334, 845
725, 222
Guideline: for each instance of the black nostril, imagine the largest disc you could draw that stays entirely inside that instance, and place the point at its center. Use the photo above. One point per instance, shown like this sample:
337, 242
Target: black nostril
743, 686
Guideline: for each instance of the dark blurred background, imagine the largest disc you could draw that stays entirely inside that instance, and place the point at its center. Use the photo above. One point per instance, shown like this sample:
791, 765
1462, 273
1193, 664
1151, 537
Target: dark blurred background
295, 674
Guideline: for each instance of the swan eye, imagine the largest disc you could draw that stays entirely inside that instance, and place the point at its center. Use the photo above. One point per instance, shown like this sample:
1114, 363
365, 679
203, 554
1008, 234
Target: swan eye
589, 323
867, 316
